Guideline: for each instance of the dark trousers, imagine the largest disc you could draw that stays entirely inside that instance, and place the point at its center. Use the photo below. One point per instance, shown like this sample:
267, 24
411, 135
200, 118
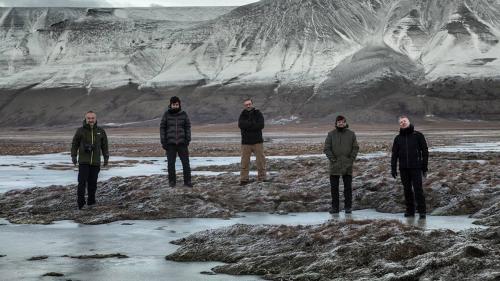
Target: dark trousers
182, 151
412, 183
87, 179
334, 183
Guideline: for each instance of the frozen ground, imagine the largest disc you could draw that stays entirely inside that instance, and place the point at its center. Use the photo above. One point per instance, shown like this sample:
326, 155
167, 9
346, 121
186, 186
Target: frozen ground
146, 243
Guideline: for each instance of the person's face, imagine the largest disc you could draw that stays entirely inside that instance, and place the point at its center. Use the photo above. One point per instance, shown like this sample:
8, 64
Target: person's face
175, 105
404, 123
90, 118
248, 104
341, 123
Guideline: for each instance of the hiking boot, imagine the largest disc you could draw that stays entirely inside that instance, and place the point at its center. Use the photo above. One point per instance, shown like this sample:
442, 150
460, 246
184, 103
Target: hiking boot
242, 183
409, 215
333, 211
188, 184
348, 211
171, 184
422, 216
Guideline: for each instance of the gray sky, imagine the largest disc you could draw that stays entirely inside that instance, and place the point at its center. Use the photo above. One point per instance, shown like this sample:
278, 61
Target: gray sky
120, 3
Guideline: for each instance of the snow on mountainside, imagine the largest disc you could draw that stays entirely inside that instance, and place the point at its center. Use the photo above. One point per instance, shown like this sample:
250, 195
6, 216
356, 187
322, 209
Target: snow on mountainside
285, 40
296, 54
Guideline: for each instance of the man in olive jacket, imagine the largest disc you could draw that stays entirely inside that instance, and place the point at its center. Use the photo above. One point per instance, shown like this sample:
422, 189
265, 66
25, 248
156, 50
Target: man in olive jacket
341, 148
251, 123
88, 142
175, 135
410, 148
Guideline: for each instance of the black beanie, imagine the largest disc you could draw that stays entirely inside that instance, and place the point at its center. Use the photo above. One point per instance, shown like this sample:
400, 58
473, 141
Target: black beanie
175, 99
340, 117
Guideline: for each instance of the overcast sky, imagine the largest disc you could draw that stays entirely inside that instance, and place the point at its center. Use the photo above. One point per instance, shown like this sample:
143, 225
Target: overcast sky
120, 3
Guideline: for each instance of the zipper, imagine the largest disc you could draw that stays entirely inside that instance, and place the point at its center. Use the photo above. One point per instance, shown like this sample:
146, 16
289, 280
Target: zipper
407, 153
176, 132
92, 153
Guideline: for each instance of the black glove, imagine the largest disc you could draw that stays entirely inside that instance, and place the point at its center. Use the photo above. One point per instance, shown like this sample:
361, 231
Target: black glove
424, 174
394, 174
73, 159
105, 164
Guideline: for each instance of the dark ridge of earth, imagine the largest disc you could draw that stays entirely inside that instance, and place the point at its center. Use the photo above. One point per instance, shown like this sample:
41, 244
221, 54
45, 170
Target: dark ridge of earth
377, 101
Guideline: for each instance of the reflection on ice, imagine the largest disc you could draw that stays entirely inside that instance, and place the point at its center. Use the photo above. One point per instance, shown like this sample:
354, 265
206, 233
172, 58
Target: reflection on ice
146, 243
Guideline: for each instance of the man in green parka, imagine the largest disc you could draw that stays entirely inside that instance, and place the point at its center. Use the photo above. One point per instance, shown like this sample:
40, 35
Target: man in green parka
88, 142
341, 148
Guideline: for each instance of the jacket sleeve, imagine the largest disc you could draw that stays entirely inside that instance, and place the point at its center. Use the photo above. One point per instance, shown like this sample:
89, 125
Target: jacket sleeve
244, 123
355, 148
394, 155
75, 144
187, 129
104, 146
259, 121
424, 150
328, 148
164, 130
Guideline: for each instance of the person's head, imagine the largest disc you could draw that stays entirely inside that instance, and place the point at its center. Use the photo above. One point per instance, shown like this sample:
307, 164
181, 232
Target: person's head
248, 104
340, 122
175, 102
90, 118
404, 122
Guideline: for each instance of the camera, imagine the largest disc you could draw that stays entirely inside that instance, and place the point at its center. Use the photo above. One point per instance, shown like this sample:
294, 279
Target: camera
88, 147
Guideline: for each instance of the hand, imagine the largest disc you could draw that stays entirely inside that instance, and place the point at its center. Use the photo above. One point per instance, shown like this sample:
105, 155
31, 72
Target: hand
424, 174
73, 159
394, 174
105, 164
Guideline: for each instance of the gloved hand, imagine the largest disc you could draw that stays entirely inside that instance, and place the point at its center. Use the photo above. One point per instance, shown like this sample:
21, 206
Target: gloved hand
424, 174
73, 159
105, 164
394, 174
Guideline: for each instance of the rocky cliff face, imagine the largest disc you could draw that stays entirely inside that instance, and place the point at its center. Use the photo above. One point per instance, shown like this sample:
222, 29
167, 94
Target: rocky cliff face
307, 58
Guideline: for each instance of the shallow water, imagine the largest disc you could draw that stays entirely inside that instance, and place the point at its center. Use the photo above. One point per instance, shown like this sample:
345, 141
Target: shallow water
146, 243
19, 172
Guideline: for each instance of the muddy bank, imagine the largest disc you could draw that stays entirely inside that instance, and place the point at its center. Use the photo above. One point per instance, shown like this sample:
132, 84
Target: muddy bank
346, 250
453, 187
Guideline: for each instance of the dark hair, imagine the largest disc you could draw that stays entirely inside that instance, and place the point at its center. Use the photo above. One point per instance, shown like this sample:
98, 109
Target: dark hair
250, 99
340, 117
403, 116
175, 99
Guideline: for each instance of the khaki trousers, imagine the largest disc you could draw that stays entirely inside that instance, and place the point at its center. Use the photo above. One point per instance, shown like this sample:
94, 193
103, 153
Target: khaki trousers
246, 152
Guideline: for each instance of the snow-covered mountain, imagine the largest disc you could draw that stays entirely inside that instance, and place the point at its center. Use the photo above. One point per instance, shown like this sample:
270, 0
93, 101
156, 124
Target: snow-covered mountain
298, 57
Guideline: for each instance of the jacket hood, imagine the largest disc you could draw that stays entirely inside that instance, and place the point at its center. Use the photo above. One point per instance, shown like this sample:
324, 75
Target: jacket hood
407, 131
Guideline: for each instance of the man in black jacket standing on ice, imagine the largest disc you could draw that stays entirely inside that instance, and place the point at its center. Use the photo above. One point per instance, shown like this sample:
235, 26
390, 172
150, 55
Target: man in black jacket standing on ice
410, 148
251, 123
175, 135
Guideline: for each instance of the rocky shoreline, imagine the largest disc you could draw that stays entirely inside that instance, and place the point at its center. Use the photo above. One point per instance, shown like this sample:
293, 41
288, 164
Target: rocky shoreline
346, 250
466, 186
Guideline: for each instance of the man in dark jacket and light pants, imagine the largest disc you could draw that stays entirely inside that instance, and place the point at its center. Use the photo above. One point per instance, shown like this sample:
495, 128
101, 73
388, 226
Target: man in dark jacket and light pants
251, 123
341, 148
175, 135
410, 148
88, 142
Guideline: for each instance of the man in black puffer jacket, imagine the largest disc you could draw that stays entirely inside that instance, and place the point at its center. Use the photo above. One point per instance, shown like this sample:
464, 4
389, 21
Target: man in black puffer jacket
410, 148
175, 134
251, 123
